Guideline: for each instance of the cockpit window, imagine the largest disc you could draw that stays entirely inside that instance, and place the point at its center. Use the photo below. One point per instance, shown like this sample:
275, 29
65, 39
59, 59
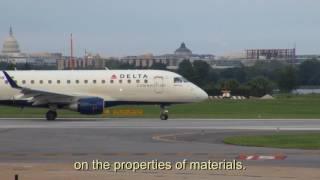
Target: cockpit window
180, 80
184, 79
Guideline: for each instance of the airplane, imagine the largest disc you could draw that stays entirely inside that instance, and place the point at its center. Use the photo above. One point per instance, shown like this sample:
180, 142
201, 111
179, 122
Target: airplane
91, 91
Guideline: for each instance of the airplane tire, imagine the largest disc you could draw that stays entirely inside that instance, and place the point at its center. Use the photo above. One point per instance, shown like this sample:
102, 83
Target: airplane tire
51, 115
164, 116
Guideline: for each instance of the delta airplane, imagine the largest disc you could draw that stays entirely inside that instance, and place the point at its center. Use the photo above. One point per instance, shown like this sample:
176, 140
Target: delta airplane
89, 92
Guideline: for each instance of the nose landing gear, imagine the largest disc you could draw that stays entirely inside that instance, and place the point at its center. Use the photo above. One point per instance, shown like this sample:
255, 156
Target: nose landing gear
164, 113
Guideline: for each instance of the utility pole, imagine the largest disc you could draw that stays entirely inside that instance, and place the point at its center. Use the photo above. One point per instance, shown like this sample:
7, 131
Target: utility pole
71, 61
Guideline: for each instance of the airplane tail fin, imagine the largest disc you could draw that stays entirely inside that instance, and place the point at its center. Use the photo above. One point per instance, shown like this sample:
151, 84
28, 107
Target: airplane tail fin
12, 83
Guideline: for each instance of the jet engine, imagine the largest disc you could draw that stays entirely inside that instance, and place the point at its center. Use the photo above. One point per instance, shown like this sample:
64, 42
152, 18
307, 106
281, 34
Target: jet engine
92, 105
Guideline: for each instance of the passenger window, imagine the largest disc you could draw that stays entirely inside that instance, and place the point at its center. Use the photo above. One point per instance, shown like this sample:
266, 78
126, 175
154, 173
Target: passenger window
138, 81
129, 81
32, 81
111, 81
41, 81
120, 81
145, 81
68, 81
77, 81
103, 81
23, 81
94, 81
58, 81
49, 81
86, 81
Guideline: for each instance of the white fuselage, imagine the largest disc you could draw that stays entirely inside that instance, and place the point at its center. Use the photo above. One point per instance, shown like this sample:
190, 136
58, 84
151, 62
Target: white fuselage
111, 85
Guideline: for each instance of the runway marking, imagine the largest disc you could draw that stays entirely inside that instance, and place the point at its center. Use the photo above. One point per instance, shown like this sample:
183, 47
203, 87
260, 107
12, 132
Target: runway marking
139, 154
166, 137
117, 154
184, 154
123, 154
79, 154
108, 154
156, 119
153, 154
124, 126
261, 157
19, 154
50, 154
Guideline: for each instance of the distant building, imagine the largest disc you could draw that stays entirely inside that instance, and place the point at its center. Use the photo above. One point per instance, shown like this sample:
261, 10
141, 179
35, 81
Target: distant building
10, 50
183, 51
224, 64
271, 54
302, 58
11, 54
172, 61
148, 60
10, 45
89, 61
42, 59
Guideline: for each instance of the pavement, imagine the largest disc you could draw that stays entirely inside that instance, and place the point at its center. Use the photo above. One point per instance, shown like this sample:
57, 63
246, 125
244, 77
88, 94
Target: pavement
39, 143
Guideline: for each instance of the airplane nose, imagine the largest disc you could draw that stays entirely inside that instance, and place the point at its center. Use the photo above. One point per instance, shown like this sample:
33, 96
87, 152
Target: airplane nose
198, 94
201, 94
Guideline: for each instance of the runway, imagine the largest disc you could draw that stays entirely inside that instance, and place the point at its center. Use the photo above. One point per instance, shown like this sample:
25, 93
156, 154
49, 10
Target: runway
68, 140
193, 124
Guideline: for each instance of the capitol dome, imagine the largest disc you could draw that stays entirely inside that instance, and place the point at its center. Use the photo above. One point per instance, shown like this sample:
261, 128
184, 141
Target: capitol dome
183, 50
10, 44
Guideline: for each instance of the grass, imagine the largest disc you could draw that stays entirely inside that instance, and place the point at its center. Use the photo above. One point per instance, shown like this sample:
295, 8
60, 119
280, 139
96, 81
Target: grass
284, 106
295, 141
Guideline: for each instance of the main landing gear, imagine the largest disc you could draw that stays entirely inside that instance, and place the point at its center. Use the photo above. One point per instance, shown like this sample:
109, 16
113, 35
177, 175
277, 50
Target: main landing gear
51, 115
164, 113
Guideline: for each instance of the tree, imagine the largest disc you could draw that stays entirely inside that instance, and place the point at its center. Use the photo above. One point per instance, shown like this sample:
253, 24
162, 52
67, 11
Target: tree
211, 89
267, 69
126, 66
213, 76
185, 69
287, 79
3, 65
25, 66
238, 74
201, 72
159, 66
260, 86
230, 85
242, 90
10, 66
309, 72
112, 64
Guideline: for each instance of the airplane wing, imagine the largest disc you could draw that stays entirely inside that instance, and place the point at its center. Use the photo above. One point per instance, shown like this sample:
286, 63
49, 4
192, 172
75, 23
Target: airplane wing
41, 97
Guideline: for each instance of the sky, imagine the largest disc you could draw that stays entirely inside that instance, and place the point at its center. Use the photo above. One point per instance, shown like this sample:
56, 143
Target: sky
135, 27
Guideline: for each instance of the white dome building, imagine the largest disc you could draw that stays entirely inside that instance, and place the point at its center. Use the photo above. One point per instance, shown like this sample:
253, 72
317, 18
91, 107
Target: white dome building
10, 45
11, 51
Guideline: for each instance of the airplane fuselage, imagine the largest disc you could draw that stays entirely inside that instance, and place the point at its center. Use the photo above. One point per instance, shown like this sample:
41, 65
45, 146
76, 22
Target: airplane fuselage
113, 86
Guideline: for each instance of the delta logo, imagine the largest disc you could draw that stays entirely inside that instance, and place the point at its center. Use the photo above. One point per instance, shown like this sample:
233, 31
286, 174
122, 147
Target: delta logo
130, 76
114, 76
